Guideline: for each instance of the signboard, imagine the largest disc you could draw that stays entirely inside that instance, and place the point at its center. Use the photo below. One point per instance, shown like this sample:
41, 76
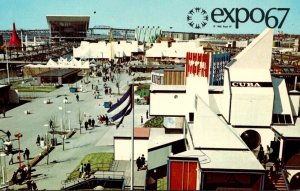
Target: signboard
197, 64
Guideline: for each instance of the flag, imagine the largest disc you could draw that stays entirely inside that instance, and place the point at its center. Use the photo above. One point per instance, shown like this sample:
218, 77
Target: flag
122, 108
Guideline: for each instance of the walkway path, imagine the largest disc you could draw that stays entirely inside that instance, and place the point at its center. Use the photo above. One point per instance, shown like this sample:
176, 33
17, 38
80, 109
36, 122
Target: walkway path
98, 139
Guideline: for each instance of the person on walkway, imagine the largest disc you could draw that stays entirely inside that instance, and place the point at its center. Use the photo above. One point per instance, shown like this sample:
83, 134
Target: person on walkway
84, 171
3, 112
147, 114
8, 134
261, 153
29, 186
138, 163
77, 97
106, 120
81, 170
142, 120
93, 122
26, 154
11, 159
38, 140
143, 160
88, 168
86, 125
51, 124
90, 122
33, 185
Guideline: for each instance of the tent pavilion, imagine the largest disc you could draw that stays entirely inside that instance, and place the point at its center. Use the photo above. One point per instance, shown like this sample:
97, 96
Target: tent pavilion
14, 41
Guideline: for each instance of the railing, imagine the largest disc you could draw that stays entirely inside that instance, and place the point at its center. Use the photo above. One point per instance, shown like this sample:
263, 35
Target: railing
97, 175
110, 174
285, 176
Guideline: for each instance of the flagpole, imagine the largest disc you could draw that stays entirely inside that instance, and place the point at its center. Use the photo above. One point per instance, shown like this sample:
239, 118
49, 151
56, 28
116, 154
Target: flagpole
132, 140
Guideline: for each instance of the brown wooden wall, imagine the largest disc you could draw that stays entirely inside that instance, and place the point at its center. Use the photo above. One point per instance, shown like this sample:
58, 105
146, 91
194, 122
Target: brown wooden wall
174, 78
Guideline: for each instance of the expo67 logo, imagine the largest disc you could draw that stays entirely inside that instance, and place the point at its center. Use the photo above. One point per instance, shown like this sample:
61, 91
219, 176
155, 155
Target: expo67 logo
197, 18
235, 17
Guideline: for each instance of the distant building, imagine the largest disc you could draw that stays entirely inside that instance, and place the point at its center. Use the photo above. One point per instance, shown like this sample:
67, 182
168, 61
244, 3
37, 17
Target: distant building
68, 28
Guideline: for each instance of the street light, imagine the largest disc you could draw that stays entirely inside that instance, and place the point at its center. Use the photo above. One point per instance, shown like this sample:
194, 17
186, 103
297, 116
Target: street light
18, 136
68, 112
7, 67
3, 168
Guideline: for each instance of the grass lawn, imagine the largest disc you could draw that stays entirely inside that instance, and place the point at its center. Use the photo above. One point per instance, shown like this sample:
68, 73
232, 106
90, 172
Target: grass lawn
99, 161
157, 122
162, 183
35, 89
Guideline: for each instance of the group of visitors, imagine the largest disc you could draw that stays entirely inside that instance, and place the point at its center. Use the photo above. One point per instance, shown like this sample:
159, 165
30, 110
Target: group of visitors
141, 163
85, 170
103, 118
89, 123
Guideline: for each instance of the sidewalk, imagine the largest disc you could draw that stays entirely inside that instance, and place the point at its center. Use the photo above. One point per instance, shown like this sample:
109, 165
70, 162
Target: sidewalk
98, 139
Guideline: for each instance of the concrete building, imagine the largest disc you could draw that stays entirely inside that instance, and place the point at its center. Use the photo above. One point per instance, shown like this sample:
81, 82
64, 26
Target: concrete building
227, 124
107, 51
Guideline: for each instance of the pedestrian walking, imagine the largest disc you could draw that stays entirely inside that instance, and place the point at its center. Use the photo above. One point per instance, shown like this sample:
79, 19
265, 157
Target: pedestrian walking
11, 159
81, 170
77, 97
138, 163
26, 154
90, 122
3, 112
93, 122
38, 140
147, 114
92, 86
86, 125
29, 186
84, 171
106, 120
8, 134
142, 120
88, 168
33, 185
143, 160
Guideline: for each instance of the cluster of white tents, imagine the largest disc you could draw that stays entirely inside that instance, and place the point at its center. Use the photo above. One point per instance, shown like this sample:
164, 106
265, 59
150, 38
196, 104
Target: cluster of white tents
176, 50
103, 50
63, 63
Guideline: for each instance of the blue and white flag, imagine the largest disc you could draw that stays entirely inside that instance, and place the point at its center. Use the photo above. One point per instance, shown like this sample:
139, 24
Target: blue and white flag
122, 108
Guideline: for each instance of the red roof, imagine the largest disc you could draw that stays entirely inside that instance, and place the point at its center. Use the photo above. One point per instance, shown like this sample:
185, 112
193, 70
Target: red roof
14, 39
141, 132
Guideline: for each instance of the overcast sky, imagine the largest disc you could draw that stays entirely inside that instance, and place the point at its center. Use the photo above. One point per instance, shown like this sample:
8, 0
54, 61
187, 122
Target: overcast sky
167, 14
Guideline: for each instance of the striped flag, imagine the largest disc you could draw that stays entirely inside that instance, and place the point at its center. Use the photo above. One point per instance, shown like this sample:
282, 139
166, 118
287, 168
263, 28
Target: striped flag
122, 108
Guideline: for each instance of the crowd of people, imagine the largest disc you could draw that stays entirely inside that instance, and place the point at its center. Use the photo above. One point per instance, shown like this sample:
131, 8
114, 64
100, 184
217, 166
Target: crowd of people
141, 163
84, 170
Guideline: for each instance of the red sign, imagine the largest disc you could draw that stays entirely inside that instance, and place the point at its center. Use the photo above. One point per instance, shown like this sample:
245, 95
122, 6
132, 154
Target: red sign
197, 64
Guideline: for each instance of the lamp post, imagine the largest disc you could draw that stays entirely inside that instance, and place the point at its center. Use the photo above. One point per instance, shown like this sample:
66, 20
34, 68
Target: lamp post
68, 112
3, 168
7, 66
18, 136
61, 119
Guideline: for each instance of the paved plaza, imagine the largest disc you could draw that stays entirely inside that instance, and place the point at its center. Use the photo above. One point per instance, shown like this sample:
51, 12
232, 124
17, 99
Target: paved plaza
97, 139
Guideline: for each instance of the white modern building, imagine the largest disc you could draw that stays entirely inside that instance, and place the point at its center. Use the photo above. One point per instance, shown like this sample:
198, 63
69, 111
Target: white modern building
104, 50
225, 126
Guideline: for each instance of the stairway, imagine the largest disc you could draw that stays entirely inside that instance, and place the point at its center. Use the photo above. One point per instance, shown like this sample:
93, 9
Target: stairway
275, 183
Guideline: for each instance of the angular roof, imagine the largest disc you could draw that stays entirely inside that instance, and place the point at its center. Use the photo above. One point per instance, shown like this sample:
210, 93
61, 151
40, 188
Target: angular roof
14, 39
68, 18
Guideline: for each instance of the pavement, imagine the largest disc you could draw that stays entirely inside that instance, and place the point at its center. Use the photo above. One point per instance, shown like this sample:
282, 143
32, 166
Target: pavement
62, 162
